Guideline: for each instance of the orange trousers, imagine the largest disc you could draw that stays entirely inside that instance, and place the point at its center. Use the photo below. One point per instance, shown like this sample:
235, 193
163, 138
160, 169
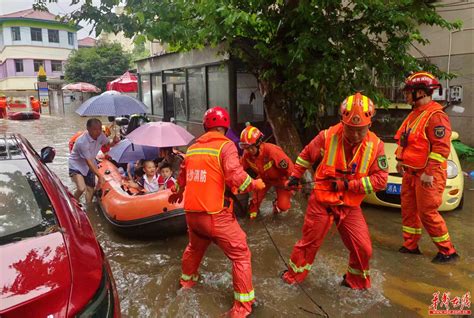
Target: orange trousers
354, 232
282, 202
222, 229
420, 206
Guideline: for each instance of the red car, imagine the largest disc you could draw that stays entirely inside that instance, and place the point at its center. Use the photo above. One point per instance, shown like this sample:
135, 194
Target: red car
51, 264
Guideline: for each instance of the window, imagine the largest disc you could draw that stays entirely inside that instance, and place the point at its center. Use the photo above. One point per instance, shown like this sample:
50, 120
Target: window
197, 93
16, 35
218, 86
146, 90
36, 34
57, 66
37, 64
70, 38
157, 94
18, 66
53, 36
249, 99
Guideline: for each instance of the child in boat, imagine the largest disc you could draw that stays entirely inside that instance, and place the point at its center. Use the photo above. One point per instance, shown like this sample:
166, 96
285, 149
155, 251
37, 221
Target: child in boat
149, 181
166, 180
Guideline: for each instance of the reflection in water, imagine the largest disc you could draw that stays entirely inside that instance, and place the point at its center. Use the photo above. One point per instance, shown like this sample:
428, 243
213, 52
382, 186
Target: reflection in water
147, 272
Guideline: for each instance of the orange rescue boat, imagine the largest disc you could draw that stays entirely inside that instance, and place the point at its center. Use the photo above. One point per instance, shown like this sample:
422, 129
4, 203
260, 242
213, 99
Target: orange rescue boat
135, 213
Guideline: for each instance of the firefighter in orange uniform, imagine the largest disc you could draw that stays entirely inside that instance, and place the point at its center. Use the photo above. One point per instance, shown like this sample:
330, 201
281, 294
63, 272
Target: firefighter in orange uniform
212, 166
271, 164
352, 163
3, 107
35, 104
424, 144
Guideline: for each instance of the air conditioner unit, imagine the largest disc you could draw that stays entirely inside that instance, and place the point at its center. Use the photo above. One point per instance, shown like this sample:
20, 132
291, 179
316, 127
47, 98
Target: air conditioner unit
438, 96
455, 93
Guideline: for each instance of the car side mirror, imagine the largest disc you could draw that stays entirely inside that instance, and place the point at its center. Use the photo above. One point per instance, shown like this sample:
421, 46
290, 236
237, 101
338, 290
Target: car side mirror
47, 154
454, 135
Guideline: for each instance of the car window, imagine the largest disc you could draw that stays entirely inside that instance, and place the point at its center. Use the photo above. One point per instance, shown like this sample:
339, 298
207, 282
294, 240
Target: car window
387, 121
25, 209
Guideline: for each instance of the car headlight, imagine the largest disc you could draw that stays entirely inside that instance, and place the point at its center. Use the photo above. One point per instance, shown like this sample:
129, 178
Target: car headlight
453, 169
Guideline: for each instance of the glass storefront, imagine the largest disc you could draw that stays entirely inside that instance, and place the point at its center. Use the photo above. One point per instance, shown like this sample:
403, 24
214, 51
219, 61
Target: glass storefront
197, 93
249, 99
146, 90
157, 89
218, 86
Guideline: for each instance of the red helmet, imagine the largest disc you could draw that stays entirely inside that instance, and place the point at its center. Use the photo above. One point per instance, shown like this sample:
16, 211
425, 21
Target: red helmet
422, 80
250, 136
216, 117
357, 110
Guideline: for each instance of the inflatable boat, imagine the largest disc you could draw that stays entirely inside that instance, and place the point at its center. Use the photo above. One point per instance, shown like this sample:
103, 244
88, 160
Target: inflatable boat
138, 214
23, 115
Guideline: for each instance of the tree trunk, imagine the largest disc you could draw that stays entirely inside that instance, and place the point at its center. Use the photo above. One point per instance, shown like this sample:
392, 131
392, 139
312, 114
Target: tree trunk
284, 128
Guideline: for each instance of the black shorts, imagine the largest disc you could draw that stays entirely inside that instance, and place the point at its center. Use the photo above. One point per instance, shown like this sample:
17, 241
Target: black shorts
89, 179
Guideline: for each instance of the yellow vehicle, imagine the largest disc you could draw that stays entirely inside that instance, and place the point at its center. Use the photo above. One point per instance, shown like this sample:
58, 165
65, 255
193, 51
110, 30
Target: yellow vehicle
385, 124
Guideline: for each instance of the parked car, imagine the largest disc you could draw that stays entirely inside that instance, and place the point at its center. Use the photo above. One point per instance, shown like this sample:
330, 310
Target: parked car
51, 264
385, 125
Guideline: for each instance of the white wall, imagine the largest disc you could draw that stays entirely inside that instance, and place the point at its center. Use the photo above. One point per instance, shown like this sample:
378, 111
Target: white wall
26, 38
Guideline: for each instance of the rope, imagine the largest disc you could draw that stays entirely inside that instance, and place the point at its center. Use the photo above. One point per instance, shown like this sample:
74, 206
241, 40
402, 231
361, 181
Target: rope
298, 284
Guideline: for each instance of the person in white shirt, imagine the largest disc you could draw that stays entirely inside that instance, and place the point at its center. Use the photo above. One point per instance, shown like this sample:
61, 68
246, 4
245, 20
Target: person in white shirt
149, 181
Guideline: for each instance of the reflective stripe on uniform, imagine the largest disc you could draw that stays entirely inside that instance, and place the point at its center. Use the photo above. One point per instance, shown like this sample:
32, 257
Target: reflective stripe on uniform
438, 239
300, 161
193, 277
364, 273
203, 151
437, 157
298, 269
367, 185
365, 103
243, 298
268, 165
253, 215
366, 157
411, 230
245, 184
332, 151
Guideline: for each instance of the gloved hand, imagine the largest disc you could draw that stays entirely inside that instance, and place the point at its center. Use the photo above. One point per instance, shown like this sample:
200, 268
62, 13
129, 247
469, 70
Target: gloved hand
175, 197
293, 182
426, 180
339, 185
400, 168
258, 184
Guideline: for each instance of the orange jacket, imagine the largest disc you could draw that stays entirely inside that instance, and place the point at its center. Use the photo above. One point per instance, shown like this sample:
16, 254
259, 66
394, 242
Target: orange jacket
35, 105
3, 103
222, 167
318, 150
271, 164
429, 139
334, 165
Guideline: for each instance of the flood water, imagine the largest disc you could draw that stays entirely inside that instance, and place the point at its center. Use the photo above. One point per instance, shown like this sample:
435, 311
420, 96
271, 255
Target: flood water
147, 272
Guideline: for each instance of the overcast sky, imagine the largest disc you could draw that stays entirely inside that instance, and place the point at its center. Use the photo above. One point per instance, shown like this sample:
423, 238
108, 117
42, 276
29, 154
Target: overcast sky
61, 7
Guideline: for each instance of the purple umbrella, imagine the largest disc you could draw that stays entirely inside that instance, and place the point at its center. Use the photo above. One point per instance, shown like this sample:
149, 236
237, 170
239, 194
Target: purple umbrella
160, 134
125, 152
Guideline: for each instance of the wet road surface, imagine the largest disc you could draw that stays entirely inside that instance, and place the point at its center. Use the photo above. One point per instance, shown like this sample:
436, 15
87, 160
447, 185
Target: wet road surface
147, 272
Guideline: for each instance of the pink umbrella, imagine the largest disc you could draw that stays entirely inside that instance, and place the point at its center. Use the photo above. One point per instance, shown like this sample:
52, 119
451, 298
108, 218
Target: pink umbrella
125, 83
81, 87
160, 134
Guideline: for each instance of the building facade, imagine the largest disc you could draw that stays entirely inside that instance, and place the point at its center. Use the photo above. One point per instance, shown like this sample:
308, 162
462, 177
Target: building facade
182, 86
453, 51
30, 39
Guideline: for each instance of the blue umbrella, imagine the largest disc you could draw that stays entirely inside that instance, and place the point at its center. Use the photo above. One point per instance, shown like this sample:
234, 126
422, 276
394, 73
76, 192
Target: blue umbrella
125, 152
111, 105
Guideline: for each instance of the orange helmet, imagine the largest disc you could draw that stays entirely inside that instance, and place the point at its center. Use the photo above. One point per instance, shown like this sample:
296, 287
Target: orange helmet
357, 110
250, 136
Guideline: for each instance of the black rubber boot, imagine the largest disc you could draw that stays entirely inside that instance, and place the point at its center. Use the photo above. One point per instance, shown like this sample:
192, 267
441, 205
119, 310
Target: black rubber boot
444, 259
405, 250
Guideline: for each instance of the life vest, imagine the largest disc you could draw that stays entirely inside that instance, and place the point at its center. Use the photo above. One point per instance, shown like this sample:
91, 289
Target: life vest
35, 105
205, 180
334, 166
413, 145
73, 139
